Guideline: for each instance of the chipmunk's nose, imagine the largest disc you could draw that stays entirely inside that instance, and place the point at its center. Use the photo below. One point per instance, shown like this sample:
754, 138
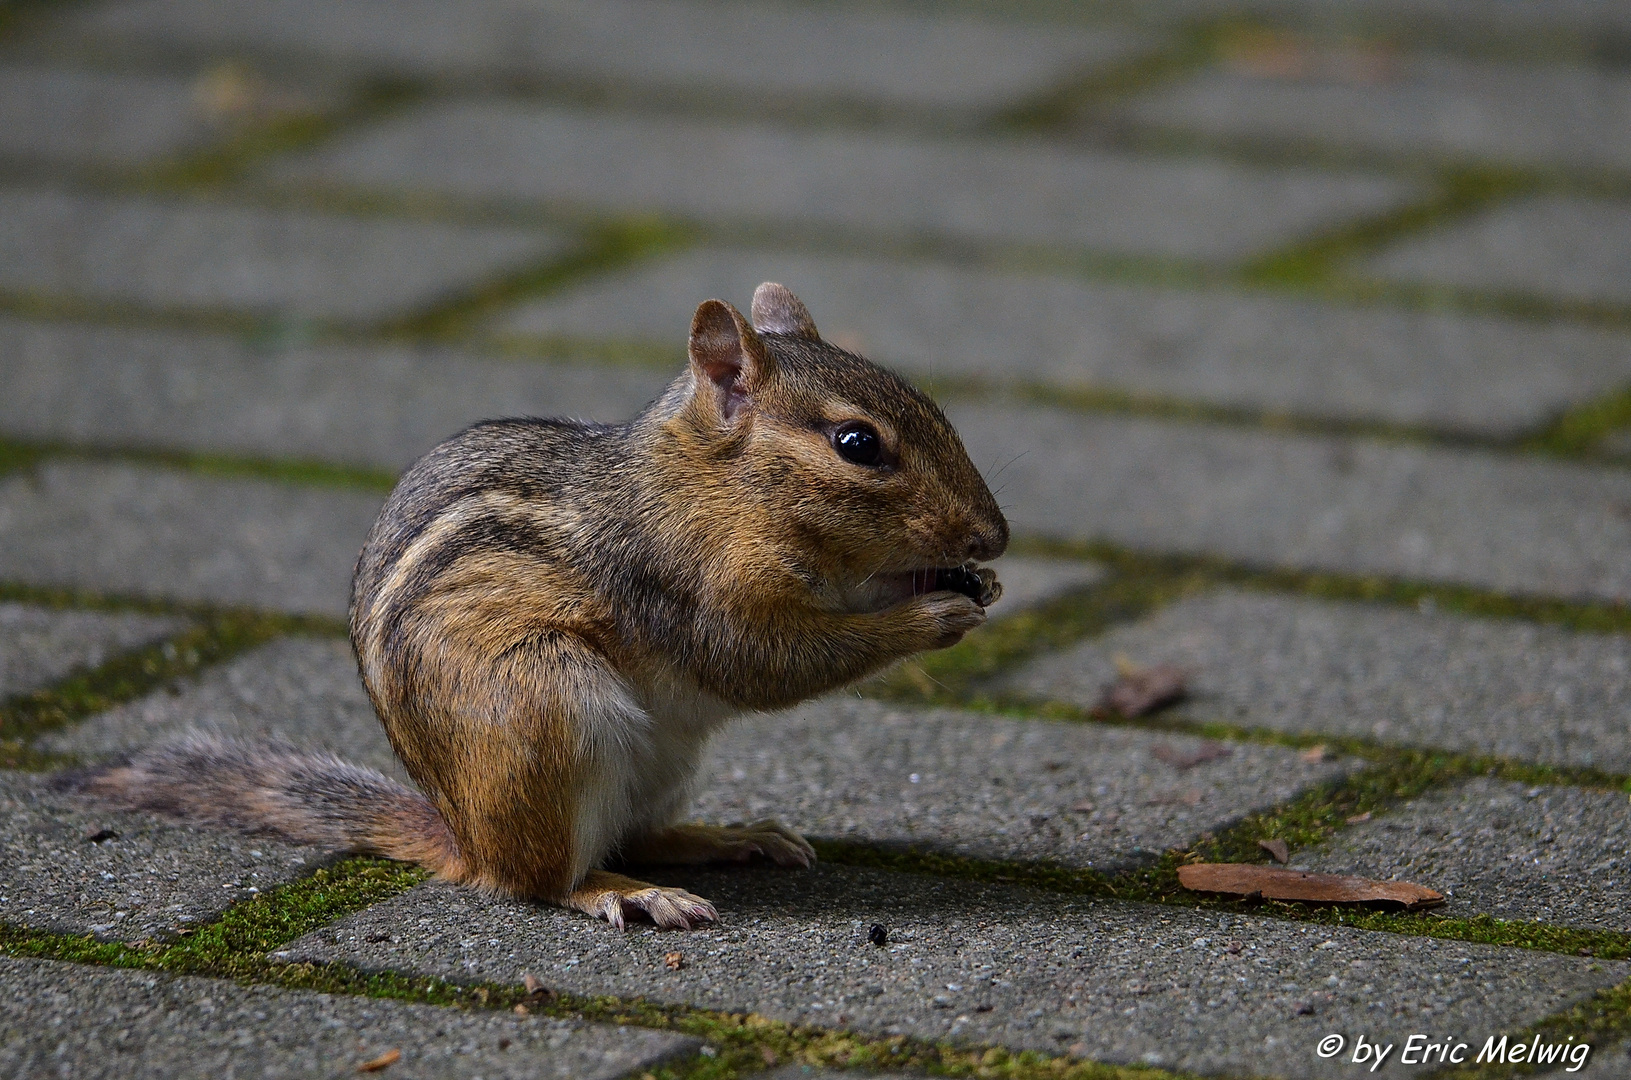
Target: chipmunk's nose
988, 541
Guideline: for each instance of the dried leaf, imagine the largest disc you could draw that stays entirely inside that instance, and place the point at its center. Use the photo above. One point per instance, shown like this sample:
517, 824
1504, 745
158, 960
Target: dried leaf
1188, 759
1313, 755
384, 1061
1276, 848
522, 1010
1357, 818
1142, 690
673, 961
1273, 883
532, 983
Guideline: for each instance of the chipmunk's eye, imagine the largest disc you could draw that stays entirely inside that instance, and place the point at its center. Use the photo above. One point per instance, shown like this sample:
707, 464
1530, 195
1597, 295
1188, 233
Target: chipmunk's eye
857, 442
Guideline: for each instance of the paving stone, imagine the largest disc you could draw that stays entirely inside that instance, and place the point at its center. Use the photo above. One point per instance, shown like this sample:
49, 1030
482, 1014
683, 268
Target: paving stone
1560, 246
1560, 855
304, 690
980, 785
90, 117
1376, 671
1516, 524
767, 49
1543, 115
877, 185
372, 406
1101, 979
185, 536
1495, 376
40, 645
173, 254
75, 1020
1029, 581
153, 877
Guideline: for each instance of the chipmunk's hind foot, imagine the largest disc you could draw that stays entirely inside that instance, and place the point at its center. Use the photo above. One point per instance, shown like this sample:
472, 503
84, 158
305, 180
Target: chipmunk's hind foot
616, 898
694, 845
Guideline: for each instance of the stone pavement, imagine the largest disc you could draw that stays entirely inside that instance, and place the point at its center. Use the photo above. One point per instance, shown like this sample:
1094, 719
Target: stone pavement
1295, 338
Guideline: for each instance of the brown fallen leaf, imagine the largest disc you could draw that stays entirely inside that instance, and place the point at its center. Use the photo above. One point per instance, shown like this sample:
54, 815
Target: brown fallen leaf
384, 1061
1273, 883
1357, 818
1138, 691
1188, 759
1276, 848
1313, 755
522, 1010
673, 961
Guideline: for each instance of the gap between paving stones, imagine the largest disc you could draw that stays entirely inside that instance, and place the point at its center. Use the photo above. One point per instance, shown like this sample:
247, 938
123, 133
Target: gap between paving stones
236, 947
214, 637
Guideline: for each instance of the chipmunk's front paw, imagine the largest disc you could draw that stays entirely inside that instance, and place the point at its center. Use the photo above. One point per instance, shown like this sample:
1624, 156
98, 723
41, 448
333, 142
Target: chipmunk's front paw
950, 616
616, 898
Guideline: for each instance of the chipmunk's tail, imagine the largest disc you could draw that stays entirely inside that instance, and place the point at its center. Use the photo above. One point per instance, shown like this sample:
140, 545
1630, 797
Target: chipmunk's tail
310, 798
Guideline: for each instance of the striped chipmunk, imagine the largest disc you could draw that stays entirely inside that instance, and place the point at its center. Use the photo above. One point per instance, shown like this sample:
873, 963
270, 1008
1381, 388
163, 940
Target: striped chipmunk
551, 617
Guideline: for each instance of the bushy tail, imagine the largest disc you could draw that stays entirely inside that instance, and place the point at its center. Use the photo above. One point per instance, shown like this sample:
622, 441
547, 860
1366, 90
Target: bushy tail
311, 798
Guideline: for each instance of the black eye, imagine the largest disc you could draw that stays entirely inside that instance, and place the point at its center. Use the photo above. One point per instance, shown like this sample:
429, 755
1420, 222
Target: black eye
858, 442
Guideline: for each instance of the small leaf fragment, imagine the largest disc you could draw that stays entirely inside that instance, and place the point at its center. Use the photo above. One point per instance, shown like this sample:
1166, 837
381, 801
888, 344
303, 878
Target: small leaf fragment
1139, 691
1357, 818
1277, 849
1274, 883
384, 1061
673, 961
1314, 754
1188, 759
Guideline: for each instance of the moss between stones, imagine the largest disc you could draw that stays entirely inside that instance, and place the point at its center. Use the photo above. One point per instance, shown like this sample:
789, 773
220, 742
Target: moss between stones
236, 947
17, 454
215, 637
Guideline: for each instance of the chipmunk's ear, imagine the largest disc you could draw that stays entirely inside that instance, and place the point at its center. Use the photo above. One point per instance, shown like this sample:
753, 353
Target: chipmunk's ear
728, 360
777, 311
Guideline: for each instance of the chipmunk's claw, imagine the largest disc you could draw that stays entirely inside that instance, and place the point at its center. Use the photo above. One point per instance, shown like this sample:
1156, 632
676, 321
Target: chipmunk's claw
778, 843
616, 899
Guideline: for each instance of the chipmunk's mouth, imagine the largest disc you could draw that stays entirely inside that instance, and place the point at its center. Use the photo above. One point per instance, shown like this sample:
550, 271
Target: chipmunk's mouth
882, 591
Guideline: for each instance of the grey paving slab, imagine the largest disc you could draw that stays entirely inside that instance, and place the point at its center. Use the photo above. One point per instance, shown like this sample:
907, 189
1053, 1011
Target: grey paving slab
71, 1020
1559, 246
152, 877
168, 253
364, 405
1258, 352
1377, 671
1119, 982
850, 51
984, 786
186, 536
872, 184
1559, 855
1516, 524
1028, 581
62, 115
304, 690
41, 645
1544, 115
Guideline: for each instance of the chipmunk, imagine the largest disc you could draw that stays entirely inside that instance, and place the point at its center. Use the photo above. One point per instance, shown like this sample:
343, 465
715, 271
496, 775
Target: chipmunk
551, 617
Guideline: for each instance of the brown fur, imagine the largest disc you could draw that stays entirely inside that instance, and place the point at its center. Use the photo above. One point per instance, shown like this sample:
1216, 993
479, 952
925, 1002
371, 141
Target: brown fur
550, 617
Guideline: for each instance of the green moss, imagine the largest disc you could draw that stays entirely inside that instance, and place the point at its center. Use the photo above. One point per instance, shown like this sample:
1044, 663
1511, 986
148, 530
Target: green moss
1579, 432
15, 454
215, 637
604, 247
1460, 193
